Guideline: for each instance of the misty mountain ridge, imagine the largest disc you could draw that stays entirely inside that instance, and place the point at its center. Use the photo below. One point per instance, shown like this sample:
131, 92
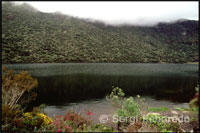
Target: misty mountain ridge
31, 36
28, 7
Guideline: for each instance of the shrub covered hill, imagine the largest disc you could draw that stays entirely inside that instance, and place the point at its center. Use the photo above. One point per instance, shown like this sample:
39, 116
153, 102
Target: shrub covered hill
30, 36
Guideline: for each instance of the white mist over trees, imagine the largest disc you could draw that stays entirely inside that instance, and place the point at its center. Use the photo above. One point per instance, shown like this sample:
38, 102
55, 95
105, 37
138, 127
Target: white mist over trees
117, 13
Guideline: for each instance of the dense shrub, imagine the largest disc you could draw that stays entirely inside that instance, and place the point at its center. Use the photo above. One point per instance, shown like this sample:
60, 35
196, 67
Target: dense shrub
17, 90
75, 122
14, 87
72, 121
35, 120
11, 117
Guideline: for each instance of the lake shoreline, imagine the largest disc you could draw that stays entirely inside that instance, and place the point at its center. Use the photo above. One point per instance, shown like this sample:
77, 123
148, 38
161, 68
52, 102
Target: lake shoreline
102, 63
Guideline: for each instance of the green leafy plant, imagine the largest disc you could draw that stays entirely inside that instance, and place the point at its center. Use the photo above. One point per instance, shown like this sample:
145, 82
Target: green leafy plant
126, 106
116, 96
129, 108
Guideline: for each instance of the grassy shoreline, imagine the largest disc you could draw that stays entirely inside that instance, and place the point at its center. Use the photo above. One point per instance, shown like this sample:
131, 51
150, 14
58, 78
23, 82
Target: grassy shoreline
192, 63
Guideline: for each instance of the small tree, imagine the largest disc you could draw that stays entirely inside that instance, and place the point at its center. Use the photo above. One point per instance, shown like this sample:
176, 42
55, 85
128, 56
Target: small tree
14, 86
16, 91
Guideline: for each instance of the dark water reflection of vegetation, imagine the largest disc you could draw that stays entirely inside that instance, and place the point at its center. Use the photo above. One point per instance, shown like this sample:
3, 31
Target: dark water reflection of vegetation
70, 88
64, 83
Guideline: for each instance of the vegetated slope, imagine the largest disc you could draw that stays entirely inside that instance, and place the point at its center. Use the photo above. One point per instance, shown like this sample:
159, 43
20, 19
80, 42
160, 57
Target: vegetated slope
30, 36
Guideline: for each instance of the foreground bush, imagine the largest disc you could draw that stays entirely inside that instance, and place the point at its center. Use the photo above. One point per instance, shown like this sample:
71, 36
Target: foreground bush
75, 122
11, 116
35, 120
17, 88
127, 107
17, 91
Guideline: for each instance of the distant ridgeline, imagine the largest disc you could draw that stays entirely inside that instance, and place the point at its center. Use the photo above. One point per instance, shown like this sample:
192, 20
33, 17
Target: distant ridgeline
30, 36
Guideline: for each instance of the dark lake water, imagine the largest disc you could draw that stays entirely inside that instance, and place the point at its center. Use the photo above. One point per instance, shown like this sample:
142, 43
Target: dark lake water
85, 85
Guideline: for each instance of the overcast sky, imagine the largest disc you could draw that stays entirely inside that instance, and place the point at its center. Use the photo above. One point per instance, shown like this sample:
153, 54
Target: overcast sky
142, 13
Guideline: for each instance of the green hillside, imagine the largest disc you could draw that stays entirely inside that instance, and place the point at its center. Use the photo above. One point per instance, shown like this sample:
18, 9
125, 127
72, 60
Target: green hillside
30, 36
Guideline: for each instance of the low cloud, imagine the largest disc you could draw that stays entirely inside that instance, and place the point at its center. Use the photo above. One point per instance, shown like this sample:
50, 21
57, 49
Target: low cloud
118, 13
